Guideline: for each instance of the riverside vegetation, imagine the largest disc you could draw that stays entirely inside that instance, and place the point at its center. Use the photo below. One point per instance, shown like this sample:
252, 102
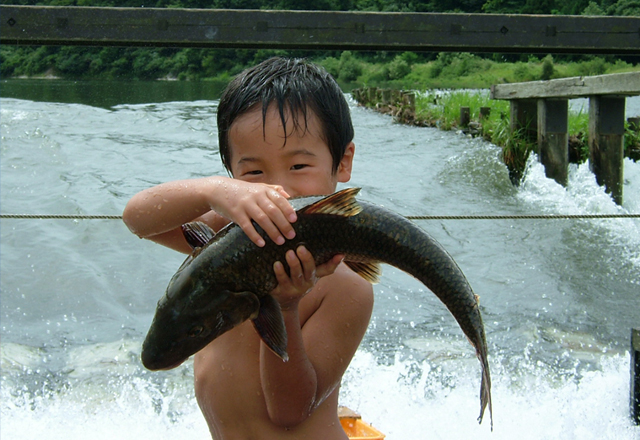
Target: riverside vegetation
407, 70
441, 109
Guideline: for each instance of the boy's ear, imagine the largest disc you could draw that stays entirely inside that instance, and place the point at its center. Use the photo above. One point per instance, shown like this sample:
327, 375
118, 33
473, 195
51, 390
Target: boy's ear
346, 163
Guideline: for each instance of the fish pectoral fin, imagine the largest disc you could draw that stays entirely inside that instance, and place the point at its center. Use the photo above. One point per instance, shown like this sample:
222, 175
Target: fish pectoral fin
197, 234
270, 326
342, 203
370, 271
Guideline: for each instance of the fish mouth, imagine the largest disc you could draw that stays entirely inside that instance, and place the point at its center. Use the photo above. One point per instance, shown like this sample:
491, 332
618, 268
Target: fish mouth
170, 367
153, 363
154, 359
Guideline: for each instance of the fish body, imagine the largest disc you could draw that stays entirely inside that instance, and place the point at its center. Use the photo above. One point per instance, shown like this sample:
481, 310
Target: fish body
227, 279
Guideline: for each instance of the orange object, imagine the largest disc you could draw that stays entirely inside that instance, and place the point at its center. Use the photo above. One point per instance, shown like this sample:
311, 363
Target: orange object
355, 427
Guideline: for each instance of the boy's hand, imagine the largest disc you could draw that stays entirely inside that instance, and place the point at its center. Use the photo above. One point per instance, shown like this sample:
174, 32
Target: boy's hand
267, 205
303, 276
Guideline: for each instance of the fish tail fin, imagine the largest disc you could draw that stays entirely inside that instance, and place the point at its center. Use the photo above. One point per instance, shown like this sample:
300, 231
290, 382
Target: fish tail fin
485, 388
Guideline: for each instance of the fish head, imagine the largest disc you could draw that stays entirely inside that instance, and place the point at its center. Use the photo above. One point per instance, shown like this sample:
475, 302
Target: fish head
192, 313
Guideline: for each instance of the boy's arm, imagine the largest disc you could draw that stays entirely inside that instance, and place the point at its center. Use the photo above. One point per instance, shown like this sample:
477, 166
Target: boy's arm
158, 212
320, 351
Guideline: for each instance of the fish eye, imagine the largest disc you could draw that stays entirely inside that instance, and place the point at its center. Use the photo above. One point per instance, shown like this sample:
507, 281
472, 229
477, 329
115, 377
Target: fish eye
196, 331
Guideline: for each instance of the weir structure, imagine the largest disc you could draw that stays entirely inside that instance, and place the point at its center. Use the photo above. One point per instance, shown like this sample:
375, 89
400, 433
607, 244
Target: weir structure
330, 30
540, 110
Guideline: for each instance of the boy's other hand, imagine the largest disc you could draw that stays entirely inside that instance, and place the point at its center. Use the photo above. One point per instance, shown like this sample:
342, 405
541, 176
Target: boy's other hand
303, 275
267, 205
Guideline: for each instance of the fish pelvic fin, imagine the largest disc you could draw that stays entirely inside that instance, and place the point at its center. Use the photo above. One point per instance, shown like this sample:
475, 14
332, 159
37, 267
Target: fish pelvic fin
370, 271
197, 234
270, 326
342, 203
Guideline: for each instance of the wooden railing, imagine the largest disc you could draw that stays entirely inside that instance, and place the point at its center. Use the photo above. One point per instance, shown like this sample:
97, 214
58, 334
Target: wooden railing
99, 26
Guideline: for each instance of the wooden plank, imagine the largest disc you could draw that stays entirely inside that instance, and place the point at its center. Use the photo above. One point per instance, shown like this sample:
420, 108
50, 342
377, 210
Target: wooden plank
62, 25
622, 84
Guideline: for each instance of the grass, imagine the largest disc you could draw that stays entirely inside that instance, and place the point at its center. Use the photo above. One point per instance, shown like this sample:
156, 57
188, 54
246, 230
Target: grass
462, 70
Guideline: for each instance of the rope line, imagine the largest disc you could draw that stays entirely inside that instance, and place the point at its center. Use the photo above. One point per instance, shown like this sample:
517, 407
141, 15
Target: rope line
409, 217
60, 217
521, 217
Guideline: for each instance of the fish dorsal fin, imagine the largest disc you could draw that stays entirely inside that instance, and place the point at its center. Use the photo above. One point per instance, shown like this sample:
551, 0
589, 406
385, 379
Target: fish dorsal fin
342, 203
370, 271
197, 234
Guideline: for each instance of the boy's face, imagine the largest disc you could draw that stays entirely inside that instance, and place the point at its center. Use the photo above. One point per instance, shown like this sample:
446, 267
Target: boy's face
302, 166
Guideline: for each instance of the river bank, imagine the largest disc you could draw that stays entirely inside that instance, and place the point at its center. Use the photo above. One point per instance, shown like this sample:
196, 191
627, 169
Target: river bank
475, 114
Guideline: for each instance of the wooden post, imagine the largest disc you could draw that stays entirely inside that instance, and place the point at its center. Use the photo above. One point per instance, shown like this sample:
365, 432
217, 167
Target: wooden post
553, 140
409, 99
386, 96
465, 117
606, 142
524, 117
635, 376
371, 98
355, 94
485, 112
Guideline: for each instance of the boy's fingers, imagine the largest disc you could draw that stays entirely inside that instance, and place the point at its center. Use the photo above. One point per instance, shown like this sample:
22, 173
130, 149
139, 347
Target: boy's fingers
296, 272
330, 266
281, 274
276, 217
280, 190
280, 201
251, 232
308, 264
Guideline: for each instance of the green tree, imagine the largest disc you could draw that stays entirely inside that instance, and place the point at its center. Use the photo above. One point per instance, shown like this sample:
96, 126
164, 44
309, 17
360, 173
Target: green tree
593, 9
625, 8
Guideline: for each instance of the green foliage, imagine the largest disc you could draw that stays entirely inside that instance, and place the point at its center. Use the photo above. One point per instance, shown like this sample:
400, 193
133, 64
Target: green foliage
593, 9
349, 67
594, 66
398, 68
451, 65
523, 72
547, 68
632, 142
625, 8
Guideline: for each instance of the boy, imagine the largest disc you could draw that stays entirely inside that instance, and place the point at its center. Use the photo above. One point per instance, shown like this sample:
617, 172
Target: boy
284, 131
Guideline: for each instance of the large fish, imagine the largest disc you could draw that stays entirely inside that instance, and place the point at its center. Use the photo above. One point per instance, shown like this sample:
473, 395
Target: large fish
227, 278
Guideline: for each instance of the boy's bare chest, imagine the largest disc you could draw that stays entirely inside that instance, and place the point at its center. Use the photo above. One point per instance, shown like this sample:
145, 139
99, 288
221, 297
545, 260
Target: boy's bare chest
227, 374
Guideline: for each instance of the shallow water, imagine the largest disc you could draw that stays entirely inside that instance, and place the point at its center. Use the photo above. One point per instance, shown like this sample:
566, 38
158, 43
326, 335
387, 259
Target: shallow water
558, 296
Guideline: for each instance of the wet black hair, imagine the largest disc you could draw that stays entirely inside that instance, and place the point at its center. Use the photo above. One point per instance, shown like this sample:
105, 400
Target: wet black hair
295, 86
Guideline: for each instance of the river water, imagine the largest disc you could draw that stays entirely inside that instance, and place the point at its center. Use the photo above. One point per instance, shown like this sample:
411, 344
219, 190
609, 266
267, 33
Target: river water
559, 297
